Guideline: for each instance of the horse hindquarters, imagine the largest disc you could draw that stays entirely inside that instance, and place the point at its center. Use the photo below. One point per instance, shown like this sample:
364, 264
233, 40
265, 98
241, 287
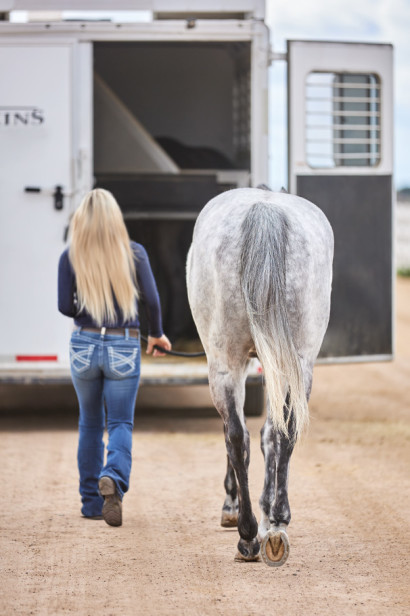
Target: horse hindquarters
249, 252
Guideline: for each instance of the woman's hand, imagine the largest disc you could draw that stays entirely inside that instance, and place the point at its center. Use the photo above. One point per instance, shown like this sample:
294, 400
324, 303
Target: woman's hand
161, 342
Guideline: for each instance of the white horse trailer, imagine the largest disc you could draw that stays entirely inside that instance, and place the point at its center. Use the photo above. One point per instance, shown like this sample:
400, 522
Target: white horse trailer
166, 114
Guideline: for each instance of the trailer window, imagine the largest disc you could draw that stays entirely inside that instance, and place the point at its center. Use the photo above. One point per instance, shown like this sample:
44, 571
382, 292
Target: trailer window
342, 120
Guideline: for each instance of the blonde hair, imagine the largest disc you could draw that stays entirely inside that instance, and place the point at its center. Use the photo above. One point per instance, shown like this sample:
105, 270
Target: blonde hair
102, 259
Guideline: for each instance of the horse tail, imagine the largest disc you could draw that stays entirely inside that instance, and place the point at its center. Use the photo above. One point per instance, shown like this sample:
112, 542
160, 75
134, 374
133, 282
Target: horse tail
263, 282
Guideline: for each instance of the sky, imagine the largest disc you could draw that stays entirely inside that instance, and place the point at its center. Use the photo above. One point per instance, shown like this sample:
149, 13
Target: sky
379, 21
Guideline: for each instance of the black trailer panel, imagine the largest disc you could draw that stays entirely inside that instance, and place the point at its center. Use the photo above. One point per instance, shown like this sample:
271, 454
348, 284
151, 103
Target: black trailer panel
359, 209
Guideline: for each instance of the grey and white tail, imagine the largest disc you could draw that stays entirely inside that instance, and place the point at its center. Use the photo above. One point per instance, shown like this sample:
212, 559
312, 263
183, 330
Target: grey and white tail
263, 281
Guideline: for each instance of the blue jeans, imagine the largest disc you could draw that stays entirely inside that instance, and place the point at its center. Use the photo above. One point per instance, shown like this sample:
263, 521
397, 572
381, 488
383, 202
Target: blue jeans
104, 369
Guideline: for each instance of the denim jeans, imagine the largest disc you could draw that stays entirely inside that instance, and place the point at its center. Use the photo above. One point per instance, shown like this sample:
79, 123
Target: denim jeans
104, 369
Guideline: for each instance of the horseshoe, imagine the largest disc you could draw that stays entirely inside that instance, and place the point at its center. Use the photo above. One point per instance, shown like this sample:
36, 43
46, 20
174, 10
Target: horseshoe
275, 547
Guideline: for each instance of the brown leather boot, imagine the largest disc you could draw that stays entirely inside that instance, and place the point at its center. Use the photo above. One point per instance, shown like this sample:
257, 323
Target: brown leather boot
112, 508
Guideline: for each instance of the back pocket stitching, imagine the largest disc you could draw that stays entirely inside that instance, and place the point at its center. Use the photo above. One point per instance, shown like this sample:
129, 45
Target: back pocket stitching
81, 354
117, 359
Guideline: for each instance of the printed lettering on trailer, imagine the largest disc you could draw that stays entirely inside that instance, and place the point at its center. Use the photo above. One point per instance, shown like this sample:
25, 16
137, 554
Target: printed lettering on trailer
20, 116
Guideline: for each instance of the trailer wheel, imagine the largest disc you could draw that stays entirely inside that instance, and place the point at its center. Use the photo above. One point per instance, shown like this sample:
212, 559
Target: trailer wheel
254, 400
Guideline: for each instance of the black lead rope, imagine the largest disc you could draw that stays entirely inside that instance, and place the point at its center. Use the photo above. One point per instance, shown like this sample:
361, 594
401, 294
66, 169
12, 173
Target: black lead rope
176, 353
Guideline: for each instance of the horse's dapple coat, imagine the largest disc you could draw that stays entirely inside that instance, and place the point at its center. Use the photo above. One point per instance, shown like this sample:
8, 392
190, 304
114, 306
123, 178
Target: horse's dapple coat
259, 277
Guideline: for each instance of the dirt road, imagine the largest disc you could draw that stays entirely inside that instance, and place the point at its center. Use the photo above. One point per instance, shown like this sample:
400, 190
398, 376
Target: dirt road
349, 493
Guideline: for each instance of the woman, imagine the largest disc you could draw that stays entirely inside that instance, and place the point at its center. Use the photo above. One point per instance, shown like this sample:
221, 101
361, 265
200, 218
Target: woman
101, 277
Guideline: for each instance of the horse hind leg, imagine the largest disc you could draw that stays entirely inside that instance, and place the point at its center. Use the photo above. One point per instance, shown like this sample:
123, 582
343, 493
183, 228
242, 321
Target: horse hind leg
230, 509
228, 394
277, 449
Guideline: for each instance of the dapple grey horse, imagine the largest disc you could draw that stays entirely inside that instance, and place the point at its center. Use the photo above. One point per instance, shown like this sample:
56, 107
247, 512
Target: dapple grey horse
259, 276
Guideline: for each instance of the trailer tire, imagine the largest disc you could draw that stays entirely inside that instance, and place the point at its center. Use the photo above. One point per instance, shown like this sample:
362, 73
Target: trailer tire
254, 400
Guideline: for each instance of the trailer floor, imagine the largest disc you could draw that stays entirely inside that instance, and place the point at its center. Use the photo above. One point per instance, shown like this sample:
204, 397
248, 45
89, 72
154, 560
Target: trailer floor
349, 493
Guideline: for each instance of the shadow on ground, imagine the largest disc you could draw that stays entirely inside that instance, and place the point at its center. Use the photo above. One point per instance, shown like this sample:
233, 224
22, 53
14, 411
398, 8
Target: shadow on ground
52, 407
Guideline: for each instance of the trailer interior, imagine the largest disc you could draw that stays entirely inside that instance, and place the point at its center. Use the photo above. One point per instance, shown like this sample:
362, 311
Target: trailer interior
171, 131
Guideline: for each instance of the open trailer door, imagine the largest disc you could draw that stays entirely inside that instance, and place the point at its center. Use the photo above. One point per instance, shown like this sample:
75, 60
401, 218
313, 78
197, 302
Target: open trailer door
43, 169
340, 157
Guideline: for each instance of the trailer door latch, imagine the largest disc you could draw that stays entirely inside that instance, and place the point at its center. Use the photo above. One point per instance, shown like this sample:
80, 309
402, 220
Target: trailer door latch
58, 198
57, 194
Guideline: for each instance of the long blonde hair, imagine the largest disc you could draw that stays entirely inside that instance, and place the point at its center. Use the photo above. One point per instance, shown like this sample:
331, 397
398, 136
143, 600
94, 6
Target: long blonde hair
102, 259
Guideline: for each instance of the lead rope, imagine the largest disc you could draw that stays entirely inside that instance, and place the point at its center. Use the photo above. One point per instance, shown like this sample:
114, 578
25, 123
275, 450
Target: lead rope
175, 353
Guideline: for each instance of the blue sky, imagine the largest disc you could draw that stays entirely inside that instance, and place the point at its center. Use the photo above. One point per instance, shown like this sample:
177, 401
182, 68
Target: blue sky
381, 21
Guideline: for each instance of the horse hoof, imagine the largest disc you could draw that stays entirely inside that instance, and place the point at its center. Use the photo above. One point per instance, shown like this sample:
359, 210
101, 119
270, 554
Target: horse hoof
275, 547
248, 550
229, 519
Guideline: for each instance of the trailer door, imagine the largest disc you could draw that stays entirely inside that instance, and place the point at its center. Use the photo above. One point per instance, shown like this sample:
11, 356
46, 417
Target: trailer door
42, 166
340, 157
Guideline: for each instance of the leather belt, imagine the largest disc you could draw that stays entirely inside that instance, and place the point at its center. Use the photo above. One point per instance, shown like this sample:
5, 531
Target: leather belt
112, 331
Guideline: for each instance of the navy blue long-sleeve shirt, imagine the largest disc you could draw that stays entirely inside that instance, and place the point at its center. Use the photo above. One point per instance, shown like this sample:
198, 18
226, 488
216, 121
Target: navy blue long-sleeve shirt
146, 286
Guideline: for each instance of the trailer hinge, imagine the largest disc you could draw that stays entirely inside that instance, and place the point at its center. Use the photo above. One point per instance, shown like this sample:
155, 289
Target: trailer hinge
277, 56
